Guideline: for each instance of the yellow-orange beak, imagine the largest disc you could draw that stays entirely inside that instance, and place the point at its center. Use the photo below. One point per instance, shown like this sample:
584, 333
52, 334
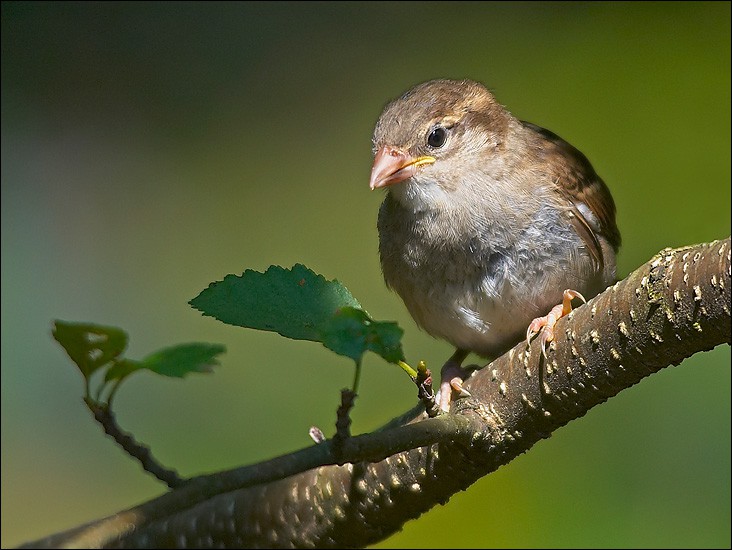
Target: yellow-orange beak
392, 165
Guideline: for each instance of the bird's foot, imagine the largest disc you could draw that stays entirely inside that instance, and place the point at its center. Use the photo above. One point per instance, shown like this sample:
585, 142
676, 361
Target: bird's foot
545, 325
452, 377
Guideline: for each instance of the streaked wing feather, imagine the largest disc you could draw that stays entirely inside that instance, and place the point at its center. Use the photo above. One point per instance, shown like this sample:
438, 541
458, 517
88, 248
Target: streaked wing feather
581, 184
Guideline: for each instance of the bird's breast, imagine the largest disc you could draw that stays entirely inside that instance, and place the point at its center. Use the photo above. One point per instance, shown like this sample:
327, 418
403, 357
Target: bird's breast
479, 285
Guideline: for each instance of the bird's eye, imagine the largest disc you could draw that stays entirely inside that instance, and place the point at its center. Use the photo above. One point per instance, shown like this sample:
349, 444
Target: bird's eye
437, 137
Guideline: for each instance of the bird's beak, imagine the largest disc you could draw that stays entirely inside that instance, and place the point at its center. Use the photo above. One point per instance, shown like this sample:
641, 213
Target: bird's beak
392, 165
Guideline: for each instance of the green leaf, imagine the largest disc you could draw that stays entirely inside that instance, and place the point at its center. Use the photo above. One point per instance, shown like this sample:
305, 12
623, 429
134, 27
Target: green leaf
177, 361
351, 332
90, 346
122, 368
295, 302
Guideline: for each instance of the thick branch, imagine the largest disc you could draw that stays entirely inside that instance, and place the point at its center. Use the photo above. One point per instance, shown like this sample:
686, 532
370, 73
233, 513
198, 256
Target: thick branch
672, 307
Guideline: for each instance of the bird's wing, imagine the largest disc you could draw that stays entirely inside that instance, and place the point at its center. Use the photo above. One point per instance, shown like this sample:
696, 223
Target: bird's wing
577, 180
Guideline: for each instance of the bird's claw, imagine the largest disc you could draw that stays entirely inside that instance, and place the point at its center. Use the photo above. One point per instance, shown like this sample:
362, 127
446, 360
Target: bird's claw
545, 325
452, 377
457, 386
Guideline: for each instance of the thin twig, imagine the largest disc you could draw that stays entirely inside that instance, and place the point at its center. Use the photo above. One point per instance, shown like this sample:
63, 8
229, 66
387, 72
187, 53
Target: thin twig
105, 417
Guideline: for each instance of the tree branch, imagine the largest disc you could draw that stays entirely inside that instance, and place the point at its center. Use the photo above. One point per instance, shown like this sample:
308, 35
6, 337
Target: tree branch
675, 305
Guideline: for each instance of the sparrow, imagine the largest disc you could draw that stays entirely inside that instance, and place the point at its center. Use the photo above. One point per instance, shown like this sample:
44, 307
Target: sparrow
490, 225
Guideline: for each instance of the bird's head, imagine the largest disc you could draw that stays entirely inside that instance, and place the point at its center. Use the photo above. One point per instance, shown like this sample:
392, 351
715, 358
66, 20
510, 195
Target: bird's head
430, 138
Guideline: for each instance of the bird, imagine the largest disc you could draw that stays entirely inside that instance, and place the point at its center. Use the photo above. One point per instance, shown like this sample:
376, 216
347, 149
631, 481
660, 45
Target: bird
490, 226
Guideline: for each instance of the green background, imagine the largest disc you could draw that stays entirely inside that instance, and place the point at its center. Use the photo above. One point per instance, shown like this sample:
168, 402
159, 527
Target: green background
149, 149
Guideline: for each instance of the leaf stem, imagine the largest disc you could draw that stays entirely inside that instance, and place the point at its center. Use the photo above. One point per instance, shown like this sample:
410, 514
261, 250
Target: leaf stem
113, 392
409, 370
356, 377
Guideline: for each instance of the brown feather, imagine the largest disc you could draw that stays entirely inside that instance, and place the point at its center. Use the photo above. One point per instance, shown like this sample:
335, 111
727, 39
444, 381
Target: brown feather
578, 182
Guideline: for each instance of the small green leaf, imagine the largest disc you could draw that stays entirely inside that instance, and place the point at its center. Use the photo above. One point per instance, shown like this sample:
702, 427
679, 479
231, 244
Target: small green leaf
121, 369
351, 332
90, 346
295, 302
386, 341
177, 361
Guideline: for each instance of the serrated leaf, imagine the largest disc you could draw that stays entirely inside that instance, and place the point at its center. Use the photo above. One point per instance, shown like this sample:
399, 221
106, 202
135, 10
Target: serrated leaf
89, 346
351, 332
295, 302
177, 361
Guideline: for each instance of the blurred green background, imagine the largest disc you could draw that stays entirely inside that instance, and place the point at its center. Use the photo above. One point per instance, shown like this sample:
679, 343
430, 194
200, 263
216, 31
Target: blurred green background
149, 149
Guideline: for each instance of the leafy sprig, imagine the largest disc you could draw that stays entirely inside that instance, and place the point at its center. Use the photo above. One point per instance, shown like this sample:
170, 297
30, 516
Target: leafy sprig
300, 304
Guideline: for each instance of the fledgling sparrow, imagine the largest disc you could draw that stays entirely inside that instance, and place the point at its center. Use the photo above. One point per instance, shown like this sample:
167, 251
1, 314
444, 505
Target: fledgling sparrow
488, 221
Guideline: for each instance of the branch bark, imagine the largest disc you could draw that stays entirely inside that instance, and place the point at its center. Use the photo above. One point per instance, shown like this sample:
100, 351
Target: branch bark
675, 305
